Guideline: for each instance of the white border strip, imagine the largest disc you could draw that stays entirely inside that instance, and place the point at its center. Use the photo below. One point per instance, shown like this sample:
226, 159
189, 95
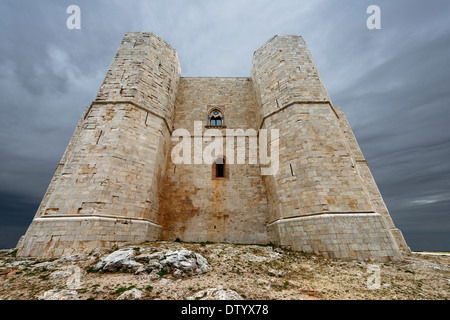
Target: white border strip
97, 218
325, 215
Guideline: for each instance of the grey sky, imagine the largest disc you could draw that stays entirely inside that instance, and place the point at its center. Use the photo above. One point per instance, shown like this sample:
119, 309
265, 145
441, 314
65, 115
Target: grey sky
393, 85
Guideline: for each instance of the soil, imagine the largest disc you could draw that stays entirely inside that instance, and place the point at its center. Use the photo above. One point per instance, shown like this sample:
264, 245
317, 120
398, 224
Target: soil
254, 272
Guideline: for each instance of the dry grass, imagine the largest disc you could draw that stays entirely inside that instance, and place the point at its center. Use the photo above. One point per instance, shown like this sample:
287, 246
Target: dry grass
255, 272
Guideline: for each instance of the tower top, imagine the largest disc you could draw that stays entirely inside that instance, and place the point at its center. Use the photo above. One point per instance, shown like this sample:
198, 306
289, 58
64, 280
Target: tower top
285, 38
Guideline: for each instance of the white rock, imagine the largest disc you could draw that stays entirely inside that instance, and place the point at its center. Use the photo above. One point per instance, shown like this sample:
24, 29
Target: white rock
59, 295
253, 258
186, 266
171, 260
118, 260
74, 257
133, 294
47, 265
264, 283
218, 293
60, 274
202, 263
277, 273
156, 256
188, 262
152, 266
178, 274
164, 281
143, 258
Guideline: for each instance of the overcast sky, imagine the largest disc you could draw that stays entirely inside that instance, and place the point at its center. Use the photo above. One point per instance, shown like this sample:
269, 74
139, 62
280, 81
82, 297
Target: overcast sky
393, 85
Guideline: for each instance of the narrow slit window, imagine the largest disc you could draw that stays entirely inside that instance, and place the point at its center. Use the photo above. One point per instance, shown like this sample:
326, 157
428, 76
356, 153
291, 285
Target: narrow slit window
99, 136
220, 168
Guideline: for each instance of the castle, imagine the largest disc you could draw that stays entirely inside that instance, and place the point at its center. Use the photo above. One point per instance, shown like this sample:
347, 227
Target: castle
116, 182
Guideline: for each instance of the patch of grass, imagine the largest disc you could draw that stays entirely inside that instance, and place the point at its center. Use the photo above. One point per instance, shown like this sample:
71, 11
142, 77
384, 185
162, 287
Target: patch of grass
162, 273
44, 276
13, 253
123, 289
237, 271
90, 269
149, 288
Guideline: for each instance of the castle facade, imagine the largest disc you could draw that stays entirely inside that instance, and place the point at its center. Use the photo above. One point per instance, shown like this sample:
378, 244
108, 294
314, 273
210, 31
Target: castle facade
117, 181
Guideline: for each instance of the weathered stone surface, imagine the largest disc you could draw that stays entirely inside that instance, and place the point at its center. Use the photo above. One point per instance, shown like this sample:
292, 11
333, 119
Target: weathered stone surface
276, 273
58, 294
218, 293
363, 236
180, 263
60, 274
120, 259
116, 182
253, 280
132, 294
196, 207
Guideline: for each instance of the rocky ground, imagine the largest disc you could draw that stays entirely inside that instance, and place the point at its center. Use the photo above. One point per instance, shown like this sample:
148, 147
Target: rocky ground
176, 270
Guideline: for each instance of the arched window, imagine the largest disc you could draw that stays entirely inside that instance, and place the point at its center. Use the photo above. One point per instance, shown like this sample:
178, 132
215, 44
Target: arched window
216, 118
215, 121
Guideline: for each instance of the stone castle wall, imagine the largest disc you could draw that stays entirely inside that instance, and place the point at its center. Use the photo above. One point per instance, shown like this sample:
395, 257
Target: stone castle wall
115, 163
116, 182
321, 175
195, 205
317, 173
364, 172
